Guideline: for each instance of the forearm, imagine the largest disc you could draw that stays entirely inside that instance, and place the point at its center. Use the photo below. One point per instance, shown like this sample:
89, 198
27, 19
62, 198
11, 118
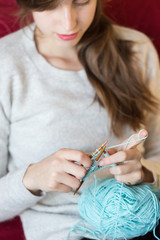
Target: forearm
15, 198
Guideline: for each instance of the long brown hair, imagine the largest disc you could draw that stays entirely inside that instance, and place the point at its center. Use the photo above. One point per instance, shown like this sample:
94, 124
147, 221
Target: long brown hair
111, 67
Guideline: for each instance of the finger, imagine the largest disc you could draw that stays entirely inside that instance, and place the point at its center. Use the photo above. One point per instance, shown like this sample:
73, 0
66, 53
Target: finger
111, 151
133, 154
134, 140
126, 168
55, 185
76, 156
74, 169
132, 178
120, 157
68, 180
112, 159
63, 188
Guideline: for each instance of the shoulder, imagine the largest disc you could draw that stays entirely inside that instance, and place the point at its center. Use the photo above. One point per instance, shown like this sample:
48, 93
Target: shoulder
130, 34
13, 48
14, 43
142, 44
146, 56
15, 39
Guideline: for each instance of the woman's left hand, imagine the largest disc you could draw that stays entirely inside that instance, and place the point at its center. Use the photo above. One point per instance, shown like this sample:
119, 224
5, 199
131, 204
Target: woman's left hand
128, 168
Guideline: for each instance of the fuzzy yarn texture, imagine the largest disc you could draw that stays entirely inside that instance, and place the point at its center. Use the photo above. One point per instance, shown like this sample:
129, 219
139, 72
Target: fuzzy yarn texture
117, 211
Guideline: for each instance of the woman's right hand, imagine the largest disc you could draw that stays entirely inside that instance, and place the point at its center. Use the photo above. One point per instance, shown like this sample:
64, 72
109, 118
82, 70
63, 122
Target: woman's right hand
57, 173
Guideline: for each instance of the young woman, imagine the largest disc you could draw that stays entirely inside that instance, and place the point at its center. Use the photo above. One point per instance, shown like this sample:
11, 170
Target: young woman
68, 82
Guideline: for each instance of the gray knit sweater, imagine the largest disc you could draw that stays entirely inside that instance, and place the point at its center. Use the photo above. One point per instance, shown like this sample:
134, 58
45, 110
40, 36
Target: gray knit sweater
43, 109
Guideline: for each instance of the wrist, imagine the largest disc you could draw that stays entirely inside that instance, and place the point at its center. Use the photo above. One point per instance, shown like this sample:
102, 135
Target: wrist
28, 182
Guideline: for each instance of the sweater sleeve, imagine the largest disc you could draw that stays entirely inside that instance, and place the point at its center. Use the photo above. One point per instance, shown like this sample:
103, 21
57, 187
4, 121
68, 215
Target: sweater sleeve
151, 156
14, 197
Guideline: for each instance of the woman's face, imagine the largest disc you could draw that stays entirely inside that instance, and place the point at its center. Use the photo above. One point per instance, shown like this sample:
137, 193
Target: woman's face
66, 23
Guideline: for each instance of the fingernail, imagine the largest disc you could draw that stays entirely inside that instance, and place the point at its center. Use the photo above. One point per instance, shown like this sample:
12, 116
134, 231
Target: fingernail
100, 163
143, 133
110, 152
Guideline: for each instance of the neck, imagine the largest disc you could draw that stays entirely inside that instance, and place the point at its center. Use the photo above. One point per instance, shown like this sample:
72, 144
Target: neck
61, 57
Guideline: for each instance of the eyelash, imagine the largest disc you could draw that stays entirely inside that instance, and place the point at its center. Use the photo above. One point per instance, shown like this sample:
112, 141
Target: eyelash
81, 3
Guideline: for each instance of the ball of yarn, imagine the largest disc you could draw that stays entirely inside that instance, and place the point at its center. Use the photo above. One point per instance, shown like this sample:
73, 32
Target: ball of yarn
118, 211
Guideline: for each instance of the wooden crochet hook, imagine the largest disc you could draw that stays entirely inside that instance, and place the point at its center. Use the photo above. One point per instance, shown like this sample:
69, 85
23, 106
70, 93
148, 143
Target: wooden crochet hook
102, 150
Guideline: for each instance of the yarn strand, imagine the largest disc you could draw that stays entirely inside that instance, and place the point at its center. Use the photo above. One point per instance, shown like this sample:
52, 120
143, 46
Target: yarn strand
114, 210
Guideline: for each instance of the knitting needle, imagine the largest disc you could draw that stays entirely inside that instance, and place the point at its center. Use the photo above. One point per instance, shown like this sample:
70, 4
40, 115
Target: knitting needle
101, 149
97, 150
100, 154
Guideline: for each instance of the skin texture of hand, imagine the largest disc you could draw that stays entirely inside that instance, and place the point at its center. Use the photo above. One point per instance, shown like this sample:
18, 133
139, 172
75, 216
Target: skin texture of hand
128, 169
58, 172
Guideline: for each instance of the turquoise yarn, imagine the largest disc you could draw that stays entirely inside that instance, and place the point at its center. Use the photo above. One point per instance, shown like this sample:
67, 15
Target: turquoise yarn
113, 210
117, 211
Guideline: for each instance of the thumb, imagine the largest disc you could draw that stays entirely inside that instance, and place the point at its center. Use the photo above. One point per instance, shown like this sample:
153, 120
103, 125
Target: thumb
111, 151
134, 140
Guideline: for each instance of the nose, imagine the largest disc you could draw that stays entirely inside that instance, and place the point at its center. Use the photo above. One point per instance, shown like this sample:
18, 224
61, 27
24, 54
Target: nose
70, 18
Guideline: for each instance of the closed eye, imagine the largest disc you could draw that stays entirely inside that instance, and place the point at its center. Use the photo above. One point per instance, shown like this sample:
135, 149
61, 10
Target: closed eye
81, 2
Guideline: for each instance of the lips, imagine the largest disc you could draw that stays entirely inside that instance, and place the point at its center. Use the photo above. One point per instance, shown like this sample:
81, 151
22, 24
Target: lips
67, 37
